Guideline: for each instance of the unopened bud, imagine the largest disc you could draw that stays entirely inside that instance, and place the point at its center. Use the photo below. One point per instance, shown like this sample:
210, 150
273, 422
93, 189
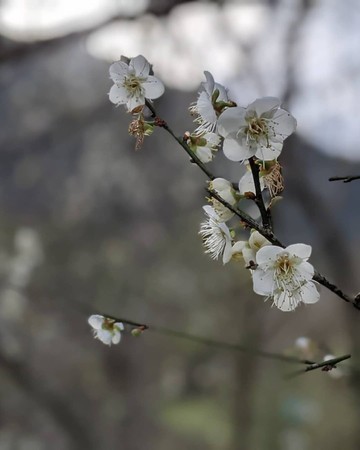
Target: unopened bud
136, 332
357, 299
249, 195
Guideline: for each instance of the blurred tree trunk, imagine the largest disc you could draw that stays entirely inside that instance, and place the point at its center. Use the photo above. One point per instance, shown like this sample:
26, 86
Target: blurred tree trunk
246, 365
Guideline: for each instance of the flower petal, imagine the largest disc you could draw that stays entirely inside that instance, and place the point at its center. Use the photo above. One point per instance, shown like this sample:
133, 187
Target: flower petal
205, 108
306, 270
303, 251
284, 123
116, 337
269, 153
204, 154
234, 151
227, 255
263, 282
212, 139
246, 183
264, 105
224, 188
118, 95
153, 87
224, 214
140, 66
134, 102
286, 302
223, 93
119, 326
238, 247
309, 293
249, 255
231, 120
210, 211
208, 85
257, 241
105, 336
96, 321
118, 70
268, 254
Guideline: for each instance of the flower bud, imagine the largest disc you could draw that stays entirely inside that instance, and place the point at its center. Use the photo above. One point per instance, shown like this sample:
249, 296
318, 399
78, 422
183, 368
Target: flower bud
136, 332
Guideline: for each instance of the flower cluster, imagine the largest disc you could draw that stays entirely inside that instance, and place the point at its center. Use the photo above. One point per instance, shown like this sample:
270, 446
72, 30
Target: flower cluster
253, 135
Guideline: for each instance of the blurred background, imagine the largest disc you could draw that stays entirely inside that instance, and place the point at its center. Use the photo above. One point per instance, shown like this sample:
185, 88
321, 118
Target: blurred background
87, 224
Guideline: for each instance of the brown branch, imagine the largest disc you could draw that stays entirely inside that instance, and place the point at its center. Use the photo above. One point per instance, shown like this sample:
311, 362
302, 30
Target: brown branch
325, 366
265, 213
347, 179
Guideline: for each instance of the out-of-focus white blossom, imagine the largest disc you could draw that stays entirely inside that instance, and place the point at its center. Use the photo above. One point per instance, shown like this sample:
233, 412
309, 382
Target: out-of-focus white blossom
105, 329
258, 130
133, 83
303, 343
216, 236
212, 98
285, 276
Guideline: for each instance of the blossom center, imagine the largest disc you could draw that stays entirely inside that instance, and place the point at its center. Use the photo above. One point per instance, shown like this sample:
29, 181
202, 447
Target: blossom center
283, 264
108, 324
256, 128
133, 85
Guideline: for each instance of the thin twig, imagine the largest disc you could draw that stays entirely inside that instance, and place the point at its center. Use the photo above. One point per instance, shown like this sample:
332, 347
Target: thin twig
333, 288
209, 342
311, 365
326, 366
193, 158
345, 179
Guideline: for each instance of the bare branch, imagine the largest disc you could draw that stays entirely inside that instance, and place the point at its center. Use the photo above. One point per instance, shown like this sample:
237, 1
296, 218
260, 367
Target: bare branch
325, 366
347, 179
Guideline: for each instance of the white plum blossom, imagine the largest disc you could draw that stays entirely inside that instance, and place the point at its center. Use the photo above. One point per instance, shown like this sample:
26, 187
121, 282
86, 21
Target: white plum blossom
257, 241
216, 236
258, 130
105, 329
285, 276
133, 83
226, 191
303, 343
212, 97
247, 250
204, 145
